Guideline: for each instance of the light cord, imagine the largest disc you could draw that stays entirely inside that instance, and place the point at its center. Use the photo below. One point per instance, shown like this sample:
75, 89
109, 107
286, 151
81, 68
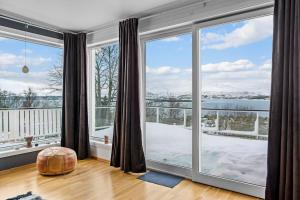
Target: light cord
26, 27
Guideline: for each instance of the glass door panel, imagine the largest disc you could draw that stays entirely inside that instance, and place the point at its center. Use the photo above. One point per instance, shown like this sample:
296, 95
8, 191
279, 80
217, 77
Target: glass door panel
169, 100
235, 89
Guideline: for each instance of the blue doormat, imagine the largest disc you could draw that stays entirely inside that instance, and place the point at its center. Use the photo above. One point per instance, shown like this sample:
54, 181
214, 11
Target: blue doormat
161, 179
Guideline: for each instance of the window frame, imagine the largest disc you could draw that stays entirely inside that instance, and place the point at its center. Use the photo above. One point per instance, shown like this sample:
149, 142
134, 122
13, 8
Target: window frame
151, 164
30, 37
233, 185
13, 34
91, 86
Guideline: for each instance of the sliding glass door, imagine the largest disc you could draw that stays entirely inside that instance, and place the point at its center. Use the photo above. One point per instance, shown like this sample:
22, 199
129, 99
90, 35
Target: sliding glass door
207, 92
235, 78
234, 65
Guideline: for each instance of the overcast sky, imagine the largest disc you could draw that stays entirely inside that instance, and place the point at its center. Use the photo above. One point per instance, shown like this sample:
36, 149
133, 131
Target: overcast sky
235, 57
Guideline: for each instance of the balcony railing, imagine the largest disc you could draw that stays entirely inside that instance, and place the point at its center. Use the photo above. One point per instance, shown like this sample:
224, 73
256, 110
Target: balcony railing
227, 122
40, 123
45, 123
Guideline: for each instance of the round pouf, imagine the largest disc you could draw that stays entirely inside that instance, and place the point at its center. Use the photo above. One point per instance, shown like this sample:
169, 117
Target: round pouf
56, 160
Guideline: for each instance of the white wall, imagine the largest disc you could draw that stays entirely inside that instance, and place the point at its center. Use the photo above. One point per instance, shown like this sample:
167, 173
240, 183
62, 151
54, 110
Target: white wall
100, 150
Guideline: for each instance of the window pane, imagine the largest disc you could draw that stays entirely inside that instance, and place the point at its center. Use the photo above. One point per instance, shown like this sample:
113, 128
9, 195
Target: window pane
106, 66
236, 70
30, 103
169, 100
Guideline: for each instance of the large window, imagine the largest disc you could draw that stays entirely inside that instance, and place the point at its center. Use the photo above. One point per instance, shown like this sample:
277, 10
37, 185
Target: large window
235, 78
30, 103
105, 64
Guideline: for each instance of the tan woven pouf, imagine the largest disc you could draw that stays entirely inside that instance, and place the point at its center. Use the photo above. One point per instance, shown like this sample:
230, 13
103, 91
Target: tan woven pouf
56, 160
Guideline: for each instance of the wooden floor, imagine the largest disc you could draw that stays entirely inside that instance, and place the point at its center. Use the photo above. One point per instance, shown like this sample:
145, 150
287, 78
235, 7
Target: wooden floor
94, 179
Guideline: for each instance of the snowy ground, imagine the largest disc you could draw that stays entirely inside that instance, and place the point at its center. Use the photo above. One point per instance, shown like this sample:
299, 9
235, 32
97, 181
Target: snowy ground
228, 157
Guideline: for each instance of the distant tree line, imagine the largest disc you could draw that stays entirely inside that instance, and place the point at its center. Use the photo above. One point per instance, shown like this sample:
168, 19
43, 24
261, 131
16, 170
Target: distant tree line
27, 99
12, 100
106, 79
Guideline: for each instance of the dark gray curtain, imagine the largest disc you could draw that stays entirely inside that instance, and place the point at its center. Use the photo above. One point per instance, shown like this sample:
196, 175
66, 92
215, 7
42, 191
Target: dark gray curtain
283, 180
127, 149
75, 134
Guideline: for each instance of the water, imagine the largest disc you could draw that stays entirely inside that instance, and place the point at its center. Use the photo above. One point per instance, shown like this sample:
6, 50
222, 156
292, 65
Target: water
245, 104
217, 103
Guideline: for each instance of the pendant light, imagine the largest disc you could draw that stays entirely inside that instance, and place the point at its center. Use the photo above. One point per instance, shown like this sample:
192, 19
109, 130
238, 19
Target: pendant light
25, 69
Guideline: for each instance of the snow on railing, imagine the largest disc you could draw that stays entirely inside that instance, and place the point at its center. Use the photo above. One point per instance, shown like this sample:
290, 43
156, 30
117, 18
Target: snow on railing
215, 129
15, 124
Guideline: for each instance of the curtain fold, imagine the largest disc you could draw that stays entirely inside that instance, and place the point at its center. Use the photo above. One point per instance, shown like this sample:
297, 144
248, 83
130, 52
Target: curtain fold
283, 179
74, 133
127, 149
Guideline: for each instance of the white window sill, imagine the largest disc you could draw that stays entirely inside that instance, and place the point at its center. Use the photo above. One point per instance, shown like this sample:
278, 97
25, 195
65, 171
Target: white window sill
23, 150
100, 143
99, 149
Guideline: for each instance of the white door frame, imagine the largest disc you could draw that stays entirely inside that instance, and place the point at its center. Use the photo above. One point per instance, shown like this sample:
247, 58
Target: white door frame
241, 187
151, 164
91, 84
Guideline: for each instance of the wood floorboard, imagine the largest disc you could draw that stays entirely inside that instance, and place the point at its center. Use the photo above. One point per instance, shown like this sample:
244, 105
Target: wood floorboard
95, 179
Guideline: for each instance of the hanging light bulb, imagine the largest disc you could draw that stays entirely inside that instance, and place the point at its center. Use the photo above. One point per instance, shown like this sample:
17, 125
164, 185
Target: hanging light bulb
25, 69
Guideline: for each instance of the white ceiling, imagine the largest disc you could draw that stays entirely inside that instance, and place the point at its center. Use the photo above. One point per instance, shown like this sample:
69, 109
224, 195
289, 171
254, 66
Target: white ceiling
84, 15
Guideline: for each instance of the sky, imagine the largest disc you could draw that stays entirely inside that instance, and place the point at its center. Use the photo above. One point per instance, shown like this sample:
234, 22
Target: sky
234, 58
39, 58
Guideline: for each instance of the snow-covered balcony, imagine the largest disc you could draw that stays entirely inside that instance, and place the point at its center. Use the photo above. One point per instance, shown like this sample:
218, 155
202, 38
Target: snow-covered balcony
233, 142
43, 124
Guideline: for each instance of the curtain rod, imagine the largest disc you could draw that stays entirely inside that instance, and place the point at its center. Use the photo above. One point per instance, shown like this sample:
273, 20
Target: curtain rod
263, 7
21, 25
29, 23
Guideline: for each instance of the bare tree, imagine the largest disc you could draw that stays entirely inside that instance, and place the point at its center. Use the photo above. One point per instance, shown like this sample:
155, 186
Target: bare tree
100, 79
106, 77
55, 77
30, 98
106, 74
